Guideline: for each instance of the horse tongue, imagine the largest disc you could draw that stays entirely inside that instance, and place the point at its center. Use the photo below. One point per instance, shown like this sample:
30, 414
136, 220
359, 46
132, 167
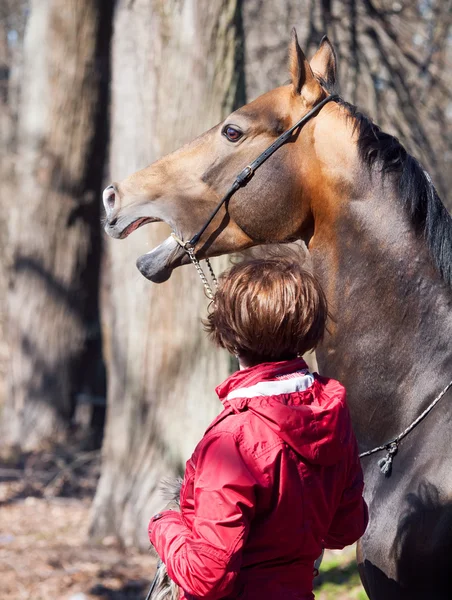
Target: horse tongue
155, 265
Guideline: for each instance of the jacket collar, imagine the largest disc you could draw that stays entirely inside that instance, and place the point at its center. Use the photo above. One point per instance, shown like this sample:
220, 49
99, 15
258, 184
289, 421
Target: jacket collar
235, 387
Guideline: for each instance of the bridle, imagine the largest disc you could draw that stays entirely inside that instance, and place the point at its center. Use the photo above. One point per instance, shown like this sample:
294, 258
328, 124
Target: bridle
241, 180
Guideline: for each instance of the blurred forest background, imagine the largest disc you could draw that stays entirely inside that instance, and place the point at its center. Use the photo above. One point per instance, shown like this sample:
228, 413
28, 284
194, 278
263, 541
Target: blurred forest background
106, 380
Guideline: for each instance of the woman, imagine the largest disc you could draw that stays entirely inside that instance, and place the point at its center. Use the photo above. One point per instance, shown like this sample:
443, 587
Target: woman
276, 477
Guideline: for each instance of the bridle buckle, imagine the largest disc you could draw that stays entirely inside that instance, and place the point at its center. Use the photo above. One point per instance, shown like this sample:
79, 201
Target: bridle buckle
245, 175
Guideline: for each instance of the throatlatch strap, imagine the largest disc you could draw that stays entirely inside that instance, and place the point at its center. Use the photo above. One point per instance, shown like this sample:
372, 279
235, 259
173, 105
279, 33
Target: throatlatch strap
246, 174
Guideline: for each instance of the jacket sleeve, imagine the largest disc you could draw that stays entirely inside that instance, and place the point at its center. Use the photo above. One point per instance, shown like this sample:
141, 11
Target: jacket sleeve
351, 517
205, 561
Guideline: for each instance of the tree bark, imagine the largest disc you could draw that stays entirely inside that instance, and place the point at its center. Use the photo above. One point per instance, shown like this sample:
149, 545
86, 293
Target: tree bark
12, 25
176, 71
53, 217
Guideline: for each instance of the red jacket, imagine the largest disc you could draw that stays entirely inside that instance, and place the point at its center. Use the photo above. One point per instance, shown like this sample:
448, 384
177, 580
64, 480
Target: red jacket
275, 479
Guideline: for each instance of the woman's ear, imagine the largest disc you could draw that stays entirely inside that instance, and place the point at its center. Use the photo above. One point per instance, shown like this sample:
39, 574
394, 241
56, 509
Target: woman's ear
303, 80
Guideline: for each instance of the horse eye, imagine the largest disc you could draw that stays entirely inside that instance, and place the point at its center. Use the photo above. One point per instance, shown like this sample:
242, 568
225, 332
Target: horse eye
232, 133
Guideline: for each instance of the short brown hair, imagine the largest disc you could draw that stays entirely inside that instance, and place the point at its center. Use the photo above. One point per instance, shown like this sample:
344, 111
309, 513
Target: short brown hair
268, 309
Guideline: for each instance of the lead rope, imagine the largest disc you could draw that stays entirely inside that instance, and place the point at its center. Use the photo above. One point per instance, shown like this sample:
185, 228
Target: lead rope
392, 447
191, 253
154, 581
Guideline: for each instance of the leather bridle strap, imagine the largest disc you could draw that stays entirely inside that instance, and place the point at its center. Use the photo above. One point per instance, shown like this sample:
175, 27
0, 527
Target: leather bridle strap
246, 174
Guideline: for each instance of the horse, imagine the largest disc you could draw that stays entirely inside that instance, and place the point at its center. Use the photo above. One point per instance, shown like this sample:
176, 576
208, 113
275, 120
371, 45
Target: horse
380, 241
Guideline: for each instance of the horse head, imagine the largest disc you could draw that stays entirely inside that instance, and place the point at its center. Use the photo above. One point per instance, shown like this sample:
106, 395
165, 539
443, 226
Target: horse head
183, 188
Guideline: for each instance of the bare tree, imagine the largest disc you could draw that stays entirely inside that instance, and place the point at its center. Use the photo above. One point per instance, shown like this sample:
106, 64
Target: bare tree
176, 72
52, 213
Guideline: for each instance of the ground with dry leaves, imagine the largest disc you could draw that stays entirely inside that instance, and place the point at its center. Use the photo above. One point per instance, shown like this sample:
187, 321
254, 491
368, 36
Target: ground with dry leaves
44, 555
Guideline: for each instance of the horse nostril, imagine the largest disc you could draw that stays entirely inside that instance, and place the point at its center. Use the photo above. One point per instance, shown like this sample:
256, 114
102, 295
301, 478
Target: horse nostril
113, 222
109, 199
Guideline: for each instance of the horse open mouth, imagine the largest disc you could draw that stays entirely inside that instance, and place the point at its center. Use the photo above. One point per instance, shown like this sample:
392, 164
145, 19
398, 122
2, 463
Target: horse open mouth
157, 264
136, 224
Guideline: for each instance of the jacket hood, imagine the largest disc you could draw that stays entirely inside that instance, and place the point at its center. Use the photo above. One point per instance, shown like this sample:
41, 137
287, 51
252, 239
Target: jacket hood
307, 411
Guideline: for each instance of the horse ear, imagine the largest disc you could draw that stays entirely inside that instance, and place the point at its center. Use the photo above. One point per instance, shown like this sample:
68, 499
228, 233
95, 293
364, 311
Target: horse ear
324, 62
303, 80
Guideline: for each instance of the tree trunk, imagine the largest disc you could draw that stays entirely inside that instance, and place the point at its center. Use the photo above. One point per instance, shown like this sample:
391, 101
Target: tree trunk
176, 71
53, 216
12, 24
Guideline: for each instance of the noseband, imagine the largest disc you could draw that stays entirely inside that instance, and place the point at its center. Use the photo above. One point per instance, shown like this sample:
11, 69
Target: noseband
241, 181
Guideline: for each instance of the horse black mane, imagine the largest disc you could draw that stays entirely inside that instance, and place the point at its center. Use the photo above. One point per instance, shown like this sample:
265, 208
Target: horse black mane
416, 190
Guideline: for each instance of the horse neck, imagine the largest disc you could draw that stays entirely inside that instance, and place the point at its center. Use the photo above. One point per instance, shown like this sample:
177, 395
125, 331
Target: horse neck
389, 339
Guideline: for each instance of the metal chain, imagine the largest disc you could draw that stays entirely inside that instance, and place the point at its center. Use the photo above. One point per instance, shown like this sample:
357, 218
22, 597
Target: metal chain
391, 447
208, 290
212, 274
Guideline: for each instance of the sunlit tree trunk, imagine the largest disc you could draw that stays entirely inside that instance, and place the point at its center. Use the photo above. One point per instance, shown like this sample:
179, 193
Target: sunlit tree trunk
176, 72
52, 216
